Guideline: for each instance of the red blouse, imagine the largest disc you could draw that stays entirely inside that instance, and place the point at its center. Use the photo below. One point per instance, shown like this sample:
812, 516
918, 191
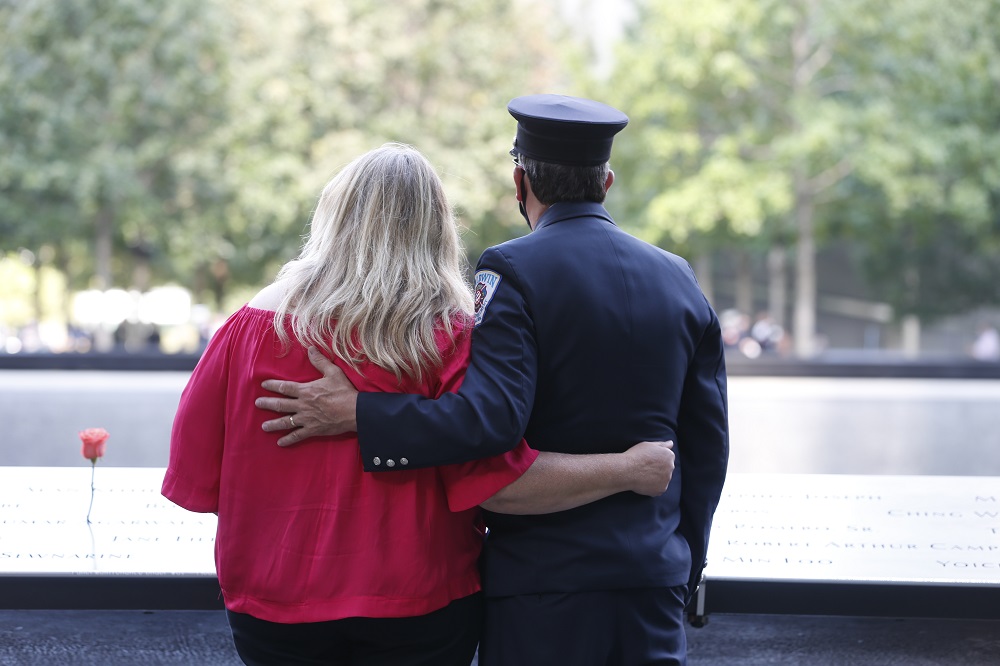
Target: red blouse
304, 534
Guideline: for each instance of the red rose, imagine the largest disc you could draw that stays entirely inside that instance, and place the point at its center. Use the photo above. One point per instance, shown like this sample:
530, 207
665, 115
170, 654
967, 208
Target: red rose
93, 443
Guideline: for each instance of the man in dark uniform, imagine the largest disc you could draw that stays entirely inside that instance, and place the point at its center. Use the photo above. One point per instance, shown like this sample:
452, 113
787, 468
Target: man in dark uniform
587, 340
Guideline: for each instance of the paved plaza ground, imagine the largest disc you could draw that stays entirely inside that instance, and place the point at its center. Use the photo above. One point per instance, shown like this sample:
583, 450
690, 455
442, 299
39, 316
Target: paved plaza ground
201, 638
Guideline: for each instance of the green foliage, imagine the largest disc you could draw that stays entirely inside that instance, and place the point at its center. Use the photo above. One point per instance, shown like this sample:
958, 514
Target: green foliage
188, 141
314, 84
191, 139
929, 180
741, 95
104, 109
874, 120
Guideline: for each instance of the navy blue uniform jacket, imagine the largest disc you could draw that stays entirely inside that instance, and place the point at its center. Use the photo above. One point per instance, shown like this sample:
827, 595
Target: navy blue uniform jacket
591, 341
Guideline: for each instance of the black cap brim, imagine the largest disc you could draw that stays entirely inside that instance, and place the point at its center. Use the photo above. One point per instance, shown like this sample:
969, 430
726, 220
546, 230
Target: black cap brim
565, 130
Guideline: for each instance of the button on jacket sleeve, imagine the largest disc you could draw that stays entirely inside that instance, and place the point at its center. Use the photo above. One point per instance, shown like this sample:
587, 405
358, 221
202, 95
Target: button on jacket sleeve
487, 416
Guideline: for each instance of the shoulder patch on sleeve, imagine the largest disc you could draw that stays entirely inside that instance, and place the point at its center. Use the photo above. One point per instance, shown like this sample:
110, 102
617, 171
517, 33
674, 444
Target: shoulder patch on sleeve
487, 283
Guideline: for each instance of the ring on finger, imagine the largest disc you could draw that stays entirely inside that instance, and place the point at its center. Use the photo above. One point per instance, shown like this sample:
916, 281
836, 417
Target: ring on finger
291, 419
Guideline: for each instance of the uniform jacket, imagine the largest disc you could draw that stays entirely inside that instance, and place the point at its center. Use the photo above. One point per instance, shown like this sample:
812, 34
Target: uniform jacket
588, 340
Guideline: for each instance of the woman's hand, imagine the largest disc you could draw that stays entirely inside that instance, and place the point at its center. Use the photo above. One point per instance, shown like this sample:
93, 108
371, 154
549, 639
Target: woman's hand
652, 465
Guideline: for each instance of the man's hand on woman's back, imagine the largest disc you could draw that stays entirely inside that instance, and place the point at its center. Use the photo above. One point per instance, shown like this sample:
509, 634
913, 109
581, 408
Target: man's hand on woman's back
326, 406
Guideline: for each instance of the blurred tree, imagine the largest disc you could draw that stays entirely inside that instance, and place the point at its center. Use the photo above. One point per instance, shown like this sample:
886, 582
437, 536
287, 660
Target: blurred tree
190, 141
765, 124
104, 109
314, 84
738, 133
925, 199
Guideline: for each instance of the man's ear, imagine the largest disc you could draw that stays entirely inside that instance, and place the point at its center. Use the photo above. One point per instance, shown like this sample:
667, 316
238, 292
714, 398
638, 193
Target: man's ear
610, 180
518, 181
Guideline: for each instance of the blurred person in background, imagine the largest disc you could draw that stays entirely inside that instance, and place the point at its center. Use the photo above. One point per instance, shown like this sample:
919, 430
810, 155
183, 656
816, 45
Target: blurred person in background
986, 346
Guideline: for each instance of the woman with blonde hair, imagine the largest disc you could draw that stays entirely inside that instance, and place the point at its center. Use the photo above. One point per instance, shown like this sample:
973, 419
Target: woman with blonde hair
319, 562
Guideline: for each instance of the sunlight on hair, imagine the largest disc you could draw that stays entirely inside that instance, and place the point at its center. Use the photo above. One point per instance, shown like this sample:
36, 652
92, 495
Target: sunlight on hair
382, 268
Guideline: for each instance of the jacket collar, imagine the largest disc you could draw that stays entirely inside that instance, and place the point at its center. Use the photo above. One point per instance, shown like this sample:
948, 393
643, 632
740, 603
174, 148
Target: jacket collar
568, 210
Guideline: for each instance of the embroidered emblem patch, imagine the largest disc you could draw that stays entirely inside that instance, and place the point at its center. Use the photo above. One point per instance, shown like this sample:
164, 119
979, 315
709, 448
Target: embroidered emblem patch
486, 287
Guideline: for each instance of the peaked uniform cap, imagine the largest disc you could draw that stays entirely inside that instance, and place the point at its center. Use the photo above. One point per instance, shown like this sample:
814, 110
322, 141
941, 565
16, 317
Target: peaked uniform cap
565, 130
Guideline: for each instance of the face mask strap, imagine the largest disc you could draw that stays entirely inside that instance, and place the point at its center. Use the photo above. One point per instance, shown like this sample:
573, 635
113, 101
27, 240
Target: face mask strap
520, 204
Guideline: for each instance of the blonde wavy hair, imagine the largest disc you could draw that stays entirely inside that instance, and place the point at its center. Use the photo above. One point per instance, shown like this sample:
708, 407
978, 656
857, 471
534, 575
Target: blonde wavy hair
382, 269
